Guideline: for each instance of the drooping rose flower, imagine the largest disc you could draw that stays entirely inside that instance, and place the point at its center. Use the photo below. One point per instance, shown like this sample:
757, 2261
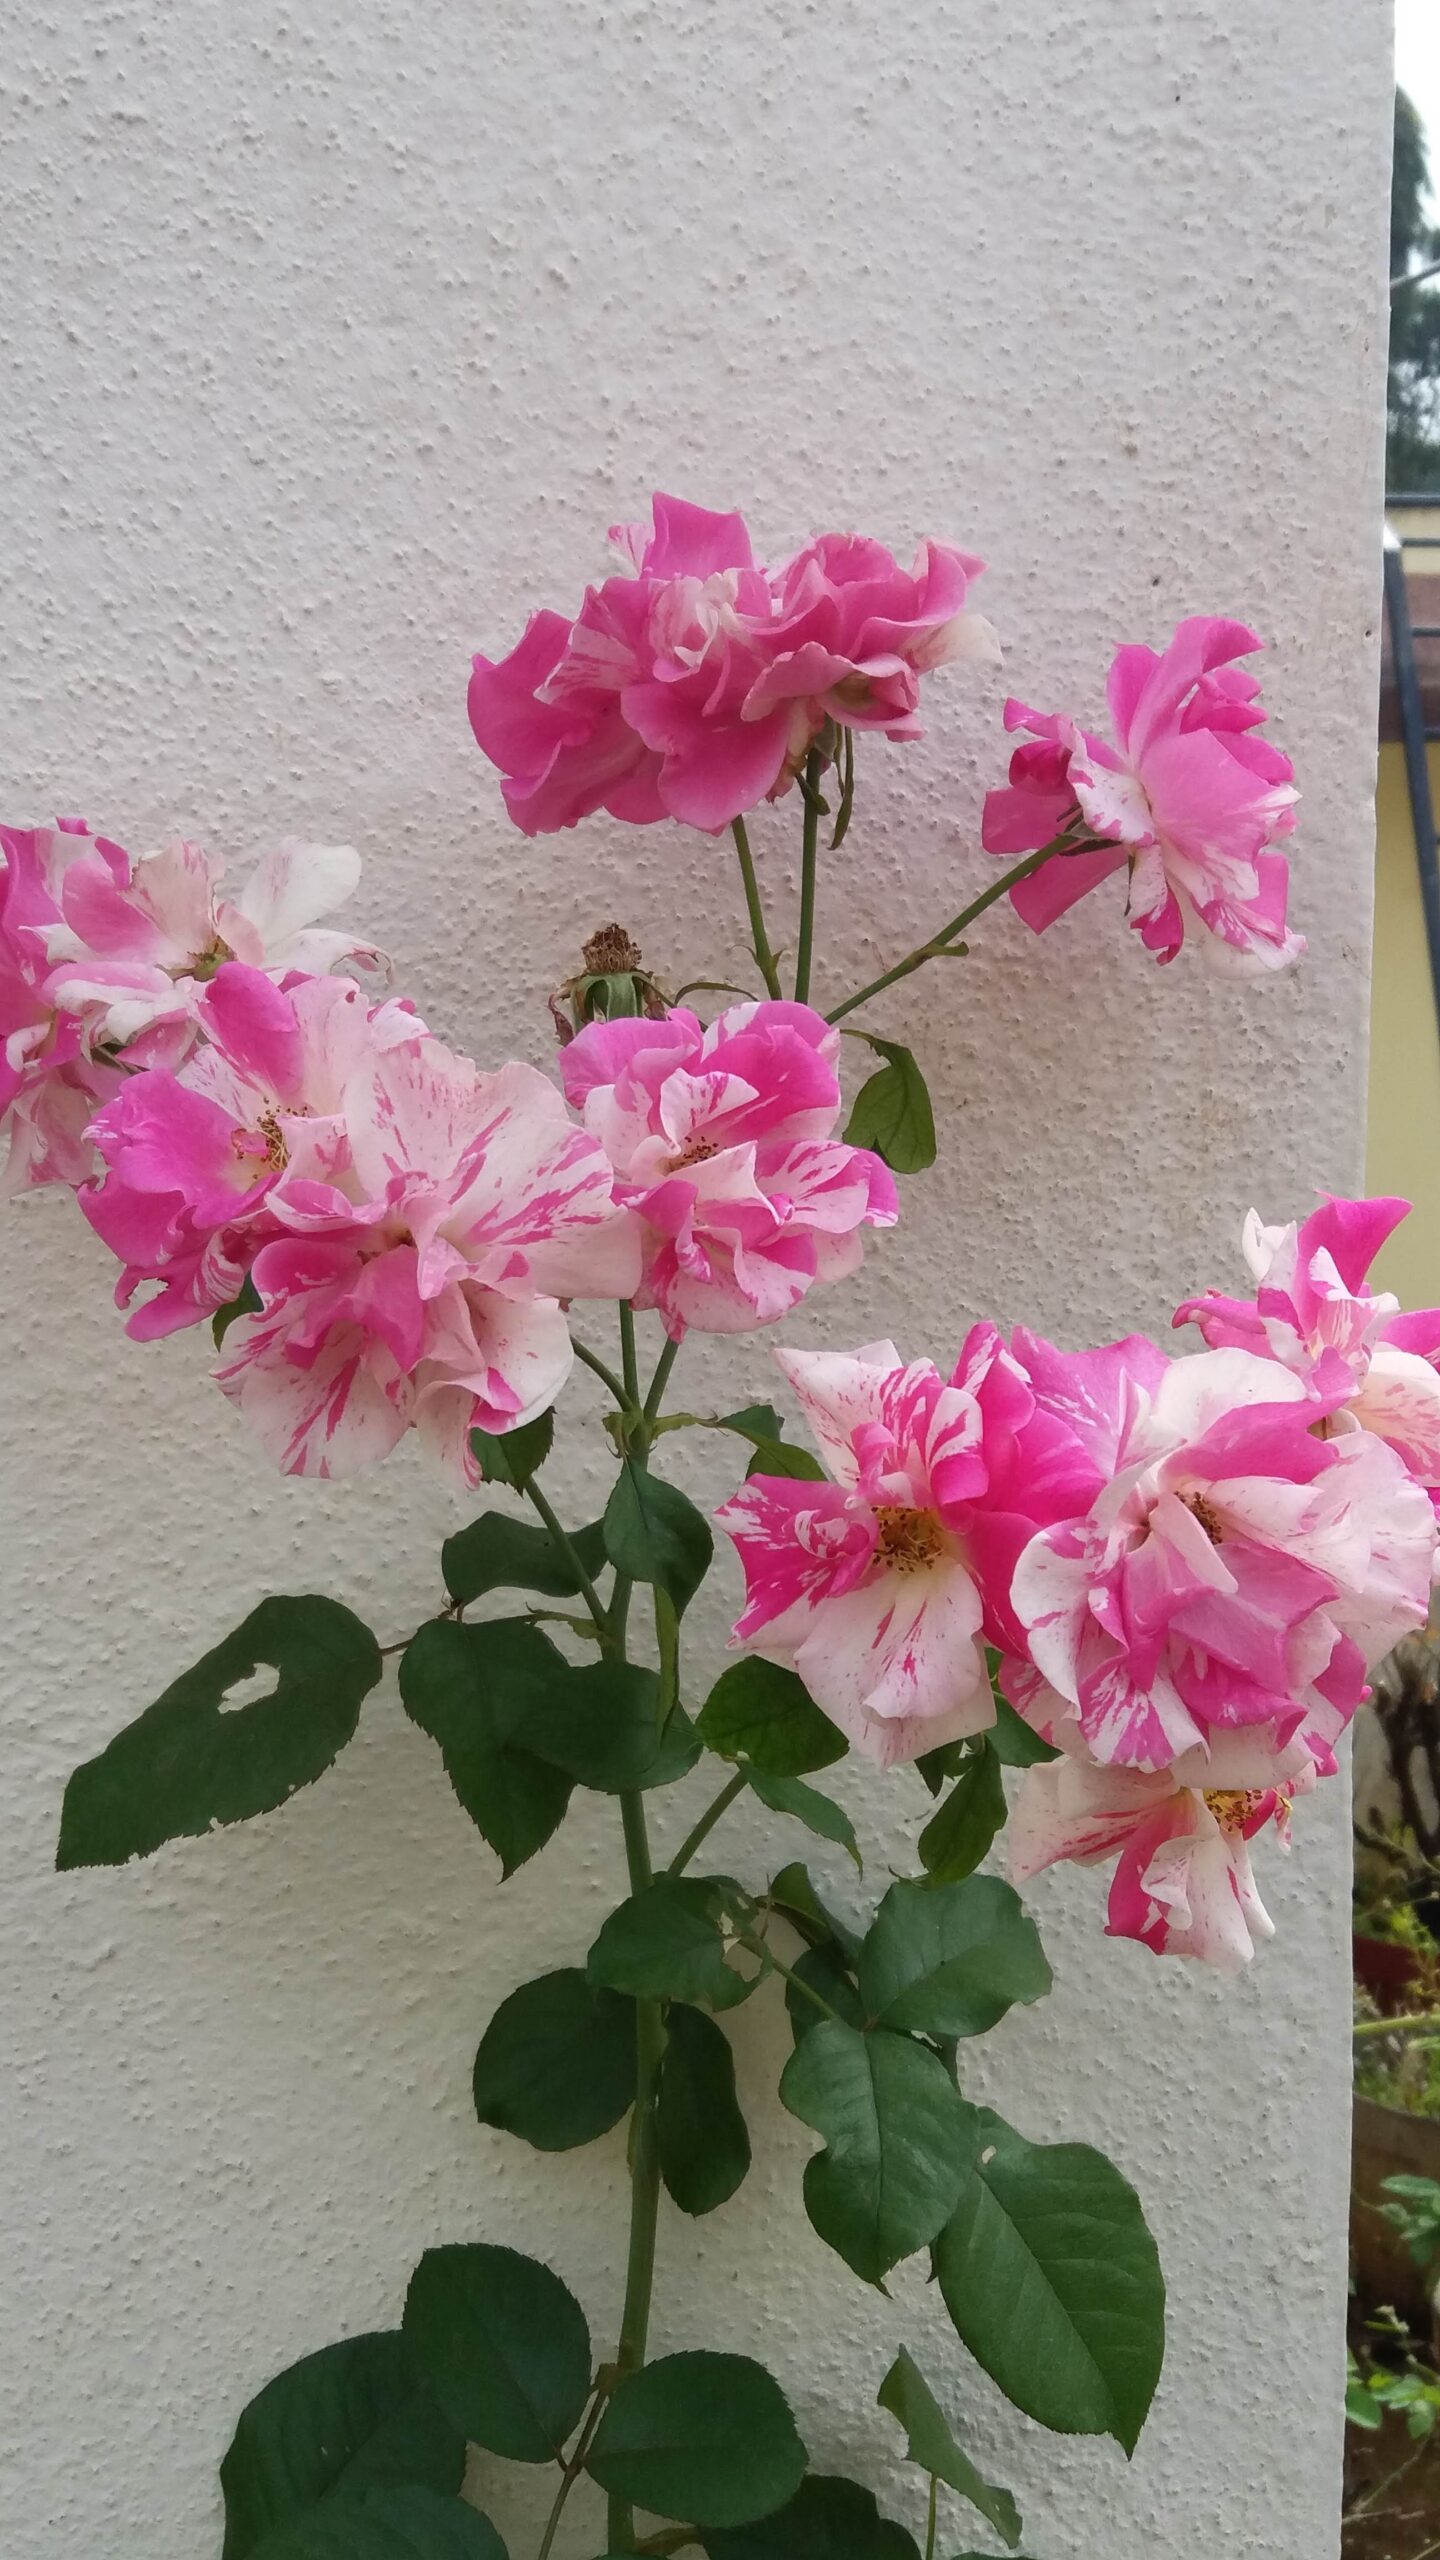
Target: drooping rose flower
1189, 798
191, 1156
722, 1144
1313, 1311
1183, 1883
693, 687
880, 1587
1235, 1563
418, 1279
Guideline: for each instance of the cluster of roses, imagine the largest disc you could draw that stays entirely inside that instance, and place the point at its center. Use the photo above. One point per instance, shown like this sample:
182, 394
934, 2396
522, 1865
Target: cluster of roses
1186, 1566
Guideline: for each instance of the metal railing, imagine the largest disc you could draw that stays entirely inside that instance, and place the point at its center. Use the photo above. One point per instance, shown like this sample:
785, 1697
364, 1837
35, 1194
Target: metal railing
1415, 735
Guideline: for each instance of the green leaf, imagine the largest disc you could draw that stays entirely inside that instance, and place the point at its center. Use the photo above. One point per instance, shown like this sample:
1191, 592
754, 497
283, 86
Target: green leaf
387, 2524
763, 1715
245, 1303
704, 2146
755, 1422
959, 1833
895, 2132
513, 1457
654, 1533
190, 1761
706, 2438
600, 1723
950, 1959
792, 1893
504, 2345
892, 1112
1052, 2280
826, 1971
928, 2439
944, 1762
354, 2416
806, 1804
496, 1553
785, 1458
669, 1942
1014, 1742
556, 2064
474, 1690
827, 2519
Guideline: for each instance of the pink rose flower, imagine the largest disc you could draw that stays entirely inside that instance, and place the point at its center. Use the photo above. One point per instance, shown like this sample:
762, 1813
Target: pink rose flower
1189, 798
881, 1587
1236, 1569
418, 1270
1183, 1883
721, 1143
694, 688
1313, 1311
191, 1157
49, 1085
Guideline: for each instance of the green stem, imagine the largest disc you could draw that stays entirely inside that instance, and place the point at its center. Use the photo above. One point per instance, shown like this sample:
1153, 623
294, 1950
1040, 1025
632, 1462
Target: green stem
571, 1553
629, 1362
644, 2165
667, 1643
929, 2521
573, 2468
1396, 2026
759, 938
661, 1379
706, 1824
940, 942
758, 1947
809, 864
602, 1370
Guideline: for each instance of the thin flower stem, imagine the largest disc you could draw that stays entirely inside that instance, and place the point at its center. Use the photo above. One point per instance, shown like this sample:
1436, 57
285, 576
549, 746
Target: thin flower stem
661, 1379
1396, 2026
667, 1645
602, 1369
929, 2520
573, 2468
571, 1553
758, 1947
693, 1840
937, 946
809, 866
759, 938
629, 1363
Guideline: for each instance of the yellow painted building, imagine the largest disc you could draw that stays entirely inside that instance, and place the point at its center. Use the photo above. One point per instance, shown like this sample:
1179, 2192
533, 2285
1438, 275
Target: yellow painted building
1403, 1146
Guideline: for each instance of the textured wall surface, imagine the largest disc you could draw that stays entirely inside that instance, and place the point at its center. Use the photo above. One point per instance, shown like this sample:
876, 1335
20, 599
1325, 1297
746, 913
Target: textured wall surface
333, 339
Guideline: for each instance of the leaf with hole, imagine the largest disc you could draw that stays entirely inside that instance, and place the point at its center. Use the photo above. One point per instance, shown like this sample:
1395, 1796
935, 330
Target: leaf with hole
950, 1959
705, 2438
892, 1111
600, 1723
353, 2416
703, 2142
827, 2519
818, 1812
763, 1715
670, 1942
1052, 2280
504, 2346
931, 2444
963, 1828
895, 2132
653, 1533
496, 1553
513, 1457
387, 2524
190, 1761
475, 1691
556, 2064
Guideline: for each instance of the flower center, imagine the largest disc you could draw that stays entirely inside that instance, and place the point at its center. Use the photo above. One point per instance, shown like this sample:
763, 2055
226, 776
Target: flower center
908, 1539
1207, 1515
1235, 1808
699, 1151
264, 1140
206, 962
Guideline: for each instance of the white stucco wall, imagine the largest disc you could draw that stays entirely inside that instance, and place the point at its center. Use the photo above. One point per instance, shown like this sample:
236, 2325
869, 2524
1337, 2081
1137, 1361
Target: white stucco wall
333, 338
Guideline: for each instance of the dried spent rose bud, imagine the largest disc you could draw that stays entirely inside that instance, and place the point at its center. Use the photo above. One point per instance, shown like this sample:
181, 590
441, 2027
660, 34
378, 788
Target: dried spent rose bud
613, 985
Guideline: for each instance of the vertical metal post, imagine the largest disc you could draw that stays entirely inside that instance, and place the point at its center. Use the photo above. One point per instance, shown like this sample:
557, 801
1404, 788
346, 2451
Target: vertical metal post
1413, 737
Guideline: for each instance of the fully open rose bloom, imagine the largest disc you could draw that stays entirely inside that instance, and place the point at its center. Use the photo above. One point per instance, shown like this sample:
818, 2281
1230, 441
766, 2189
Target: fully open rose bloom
721, 1141
191, 1157
1189, 797
105, 953
694, 687
1183, 1883
418, 1269
881, 1587
1313, 1310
